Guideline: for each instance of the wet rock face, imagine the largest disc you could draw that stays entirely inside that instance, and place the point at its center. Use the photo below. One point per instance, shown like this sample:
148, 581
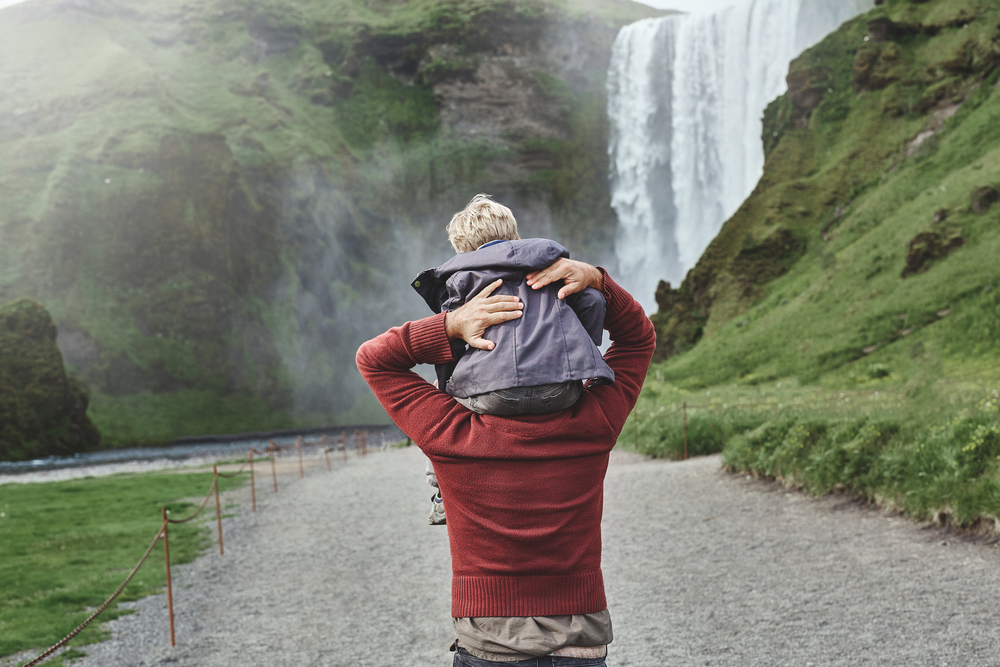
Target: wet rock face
521, 88
42, 411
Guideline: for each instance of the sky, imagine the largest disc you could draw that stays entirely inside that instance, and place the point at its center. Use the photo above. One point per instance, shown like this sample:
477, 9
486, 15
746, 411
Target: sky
682, 5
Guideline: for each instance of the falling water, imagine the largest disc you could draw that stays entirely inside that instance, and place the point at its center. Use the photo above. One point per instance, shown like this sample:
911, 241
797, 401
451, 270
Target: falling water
685, 98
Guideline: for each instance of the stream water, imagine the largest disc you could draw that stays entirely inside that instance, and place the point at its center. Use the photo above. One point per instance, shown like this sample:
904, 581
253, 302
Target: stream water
196, 450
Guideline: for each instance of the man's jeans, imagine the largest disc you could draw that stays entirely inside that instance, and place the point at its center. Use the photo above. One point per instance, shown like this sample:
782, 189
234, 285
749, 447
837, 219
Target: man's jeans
465, 659
537, 400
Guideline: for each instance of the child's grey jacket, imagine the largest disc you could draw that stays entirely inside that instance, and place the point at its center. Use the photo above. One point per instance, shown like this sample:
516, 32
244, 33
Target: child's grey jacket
553, 341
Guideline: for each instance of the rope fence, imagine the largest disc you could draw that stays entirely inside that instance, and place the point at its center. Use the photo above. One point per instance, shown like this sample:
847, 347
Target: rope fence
360, 446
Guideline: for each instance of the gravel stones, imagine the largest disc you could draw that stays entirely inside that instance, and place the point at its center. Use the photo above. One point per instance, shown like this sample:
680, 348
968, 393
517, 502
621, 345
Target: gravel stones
702, 568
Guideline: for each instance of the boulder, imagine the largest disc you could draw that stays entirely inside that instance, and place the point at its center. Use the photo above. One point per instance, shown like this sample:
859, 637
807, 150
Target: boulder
43, 411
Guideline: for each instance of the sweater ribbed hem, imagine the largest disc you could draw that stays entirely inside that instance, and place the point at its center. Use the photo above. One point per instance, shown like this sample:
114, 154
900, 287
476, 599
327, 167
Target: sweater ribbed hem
550, 595
428, 339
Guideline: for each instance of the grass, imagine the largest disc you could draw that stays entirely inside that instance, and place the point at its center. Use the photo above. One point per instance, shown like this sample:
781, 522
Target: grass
151, 418
930, 451
66, 546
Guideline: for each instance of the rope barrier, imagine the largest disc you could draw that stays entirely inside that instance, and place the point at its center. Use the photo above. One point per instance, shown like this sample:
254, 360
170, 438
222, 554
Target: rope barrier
213, 489
100, 609
200, 508
244, 465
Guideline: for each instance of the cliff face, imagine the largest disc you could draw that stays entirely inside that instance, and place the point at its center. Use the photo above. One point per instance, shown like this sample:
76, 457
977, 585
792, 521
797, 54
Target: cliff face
42, 411
850, 241
218, 202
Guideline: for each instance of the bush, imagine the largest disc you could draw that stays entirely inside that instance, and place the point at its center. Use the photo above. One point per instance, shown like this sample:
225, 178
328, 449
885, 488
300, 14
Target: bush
950, 467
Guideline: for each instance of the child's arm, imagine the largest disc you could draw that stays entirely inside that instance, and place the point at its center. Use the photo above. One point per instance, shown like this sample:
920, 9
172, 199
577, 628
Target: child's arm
589, 306
633, 338
386, 361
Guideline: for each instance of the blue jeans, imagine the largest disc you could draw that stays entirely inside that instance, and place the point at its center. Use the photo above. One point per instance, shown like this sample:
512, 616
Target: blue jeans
537, 400
465, 659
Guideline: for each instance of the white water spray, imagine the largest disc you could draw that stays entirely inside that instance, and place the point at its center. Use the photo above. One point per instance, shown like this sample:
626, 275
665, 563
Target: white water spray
685, 99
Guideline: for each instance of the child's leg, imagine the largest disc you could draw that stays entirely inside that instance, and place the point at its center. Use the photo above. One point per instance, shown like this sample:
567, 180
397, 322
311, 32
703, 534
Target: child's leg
429, 474
536, 400
548, 398
436, 517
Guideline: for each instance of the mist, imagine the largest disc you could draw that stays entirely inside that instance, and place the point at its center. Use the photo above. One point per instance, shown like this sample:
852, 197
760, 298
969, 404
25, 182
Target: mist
218, 205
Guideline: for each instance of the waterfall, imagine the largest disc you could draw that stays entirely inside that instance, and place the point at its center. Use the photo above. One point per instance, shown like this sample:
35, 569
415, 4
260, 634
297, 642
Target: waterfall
685, 98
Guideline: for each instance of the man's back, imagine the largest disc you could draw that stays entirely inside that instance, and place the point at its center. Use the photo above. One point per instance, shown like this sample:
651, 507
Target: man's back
506, 561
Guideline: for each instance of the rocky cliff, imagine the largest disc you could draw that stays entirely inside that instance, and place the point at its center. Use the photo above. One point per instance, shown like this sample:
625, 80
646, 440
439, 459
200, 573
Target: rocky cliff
218, 201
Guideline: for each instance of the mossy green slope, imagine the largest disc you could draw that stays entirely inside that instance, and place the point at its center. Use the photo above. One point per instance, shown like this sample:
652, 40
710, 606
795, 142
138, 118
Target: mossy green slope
218, 200
807, 276
843, 330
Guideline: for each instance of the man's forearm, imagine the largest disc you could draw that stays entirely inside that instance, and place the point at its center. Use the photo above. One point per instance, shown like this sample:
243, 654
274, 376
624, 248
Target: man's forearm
386, 364
633, 340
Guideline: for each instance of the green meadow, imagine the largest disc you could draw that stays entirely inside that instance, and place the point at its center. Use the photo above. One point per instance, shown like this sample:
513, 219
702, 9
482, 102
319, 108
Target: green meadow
66, 546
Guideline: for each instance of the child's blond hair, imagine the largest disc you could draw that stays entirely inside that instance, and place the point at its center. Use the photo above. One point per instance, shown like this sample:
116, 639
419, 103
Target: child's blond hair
481, 221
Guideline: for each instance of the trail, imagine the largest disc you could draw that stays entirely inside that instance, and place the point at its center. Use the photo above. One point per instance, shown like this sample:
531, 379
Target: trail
702, 568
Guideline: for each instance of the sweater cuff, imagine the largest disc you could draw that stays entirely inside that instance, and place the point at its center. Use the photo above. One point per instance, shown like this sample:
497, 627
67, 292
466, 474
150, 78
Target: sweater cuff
428, 340
618, 298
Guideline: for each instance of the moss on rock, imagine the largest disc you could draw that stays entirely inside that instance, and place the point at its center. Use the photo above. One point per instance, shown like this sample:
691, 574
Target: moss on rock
42, 410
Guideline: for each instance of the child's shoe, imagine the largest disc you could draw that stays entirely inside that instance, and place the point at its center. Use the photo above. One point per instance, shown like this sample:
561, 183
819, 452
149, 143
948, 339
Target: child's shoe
436, 517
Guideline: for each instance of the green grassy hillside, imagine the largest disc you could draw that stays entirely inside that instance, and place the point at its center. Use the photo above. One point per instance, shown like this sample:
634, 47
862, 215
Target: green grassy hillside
849, 311
219, 200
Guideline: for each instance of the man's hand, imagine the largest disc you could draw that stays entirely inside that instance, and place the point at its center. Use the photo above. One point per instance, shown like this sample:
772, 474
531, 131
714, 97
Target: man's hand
470, 321
578, 276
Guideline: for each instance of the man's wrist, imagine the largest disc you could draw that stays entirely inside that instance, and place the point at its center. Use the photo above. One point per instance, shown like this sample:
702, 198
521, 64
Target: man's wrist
449, 330
597, 279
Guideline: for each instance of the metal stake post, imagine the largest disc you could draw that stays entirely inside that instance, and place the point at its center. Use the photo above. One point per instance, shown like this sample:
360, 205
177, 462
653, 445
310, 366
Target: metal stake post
343, 444
685, 431
364, 443
170, 590
298, 445
253, 488
326, 453
218, 508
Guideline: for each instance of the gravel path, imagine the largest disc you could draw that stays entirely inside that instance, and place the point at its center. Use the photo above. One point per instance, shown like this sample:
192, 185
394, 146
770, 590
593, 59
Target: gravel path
702, 568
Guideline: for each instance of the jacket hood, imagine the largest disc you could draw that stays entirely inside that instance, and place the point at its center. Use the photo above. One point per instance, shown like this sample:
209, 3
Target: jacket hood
522, 255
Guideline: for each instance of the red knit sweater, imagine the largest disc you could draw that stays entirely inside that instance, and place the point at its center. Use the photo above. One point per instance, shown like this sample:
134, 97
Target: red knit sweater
524, 494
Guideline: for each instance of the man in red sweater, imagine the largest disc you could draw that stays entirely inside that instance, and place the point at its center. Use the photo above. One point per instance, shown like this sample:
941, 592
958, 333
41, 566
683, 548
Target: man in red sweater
525, 494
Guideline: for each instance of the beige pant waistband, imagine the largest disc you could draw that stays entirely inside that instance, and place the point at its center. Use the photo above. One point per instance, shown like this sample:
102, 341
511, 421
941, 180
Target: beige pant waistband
581, 652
